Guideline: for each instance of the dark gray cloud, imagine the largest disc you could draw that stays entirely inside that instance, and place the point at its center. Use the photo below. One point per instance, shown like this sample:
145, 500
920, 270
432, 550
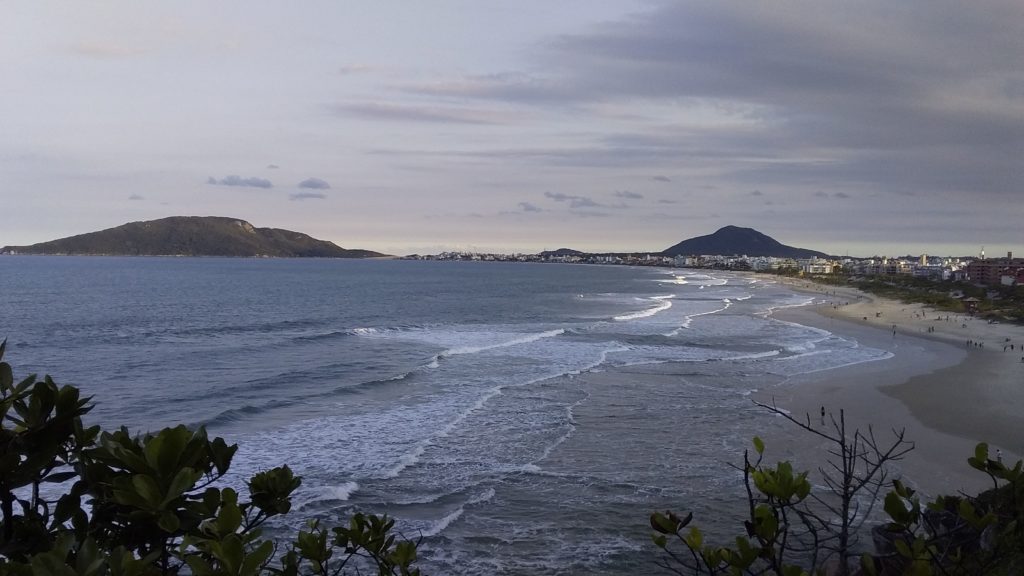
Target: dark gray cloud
136, 197
660, 178
528, 207
272, 166
314, 184
629, 195
757, 193
573, 200
841, 195
298, 196
925, 97
235, 180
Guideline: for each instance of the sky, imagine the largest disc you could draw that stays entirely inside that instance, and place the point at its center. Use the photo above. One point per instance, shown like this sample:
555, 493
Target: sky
858, 128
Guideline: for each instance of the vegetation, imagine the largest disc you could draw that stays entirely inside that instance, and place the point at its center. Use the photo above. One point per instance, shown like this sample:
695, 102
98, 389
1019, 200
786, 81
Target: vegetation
736, 240
793, 530
994, 302
150, 504
193, 236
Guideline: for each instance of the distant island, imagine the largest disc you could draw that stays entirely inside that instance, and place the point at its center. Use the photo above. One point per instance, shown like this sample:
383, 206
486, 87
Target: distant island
192, 236
736, 240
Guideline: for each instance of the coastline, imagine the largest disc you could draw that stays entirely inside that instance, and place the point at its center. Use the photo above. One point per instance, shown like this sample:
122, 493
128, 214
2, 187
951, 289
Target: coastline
948, 394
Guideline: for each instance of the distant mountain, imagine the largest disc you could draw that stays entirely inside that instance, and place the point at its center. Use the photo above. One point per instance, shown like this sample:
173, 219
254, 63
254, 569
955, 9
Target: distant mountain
562, 252
734, 240
192, 236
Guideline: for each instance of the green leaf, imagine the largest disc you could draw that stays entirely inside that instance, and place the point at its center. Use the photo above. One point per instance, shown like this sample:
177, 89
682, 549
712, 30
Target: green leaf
896, 508
183, 481
758, 445
867, 564
981, 451
257, 558
168, 522
229, 519
902, 548
148, 489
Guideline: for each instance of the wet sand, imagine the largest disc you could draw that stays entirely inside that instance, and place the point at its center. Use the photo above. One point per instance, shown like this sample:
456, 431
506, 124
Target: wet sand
948, 394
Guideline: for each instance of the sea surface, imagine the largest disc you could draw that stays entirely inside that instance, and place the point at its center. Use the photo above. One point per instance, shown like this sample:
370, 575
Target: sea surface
506, 413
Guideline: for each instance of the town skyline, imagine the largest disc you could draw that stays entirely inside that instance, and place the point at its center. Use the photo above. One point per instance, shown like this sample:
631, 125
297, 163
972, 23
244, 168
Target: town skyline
596, 125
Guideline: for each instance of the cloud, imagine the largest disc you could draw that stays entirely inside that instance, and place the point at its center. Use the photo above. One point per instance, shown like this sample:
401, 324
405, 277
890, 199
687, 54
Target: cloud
350, 69
272, 166
408, 113
528, 207
299, 196
314, 184
667, 201
928, 98
660, 178
235, 180
106, 50
136, 197
757, 193
628, 194
573, 201
841, 195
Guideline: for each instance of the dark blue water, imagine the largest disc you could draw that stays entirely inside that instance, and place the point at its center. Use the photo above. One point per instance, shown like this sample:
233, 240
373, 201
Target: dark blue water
469, 400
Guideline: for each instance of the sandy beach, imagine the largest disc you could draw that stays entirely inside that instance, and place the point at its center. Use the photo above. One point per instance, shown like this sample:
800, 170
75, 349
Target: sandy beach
949, 382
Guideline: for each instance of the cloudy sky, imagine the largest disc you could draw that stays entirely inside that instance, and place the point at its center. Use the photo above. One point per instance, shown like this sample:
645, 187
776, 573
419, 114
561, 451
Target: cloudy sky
871, 127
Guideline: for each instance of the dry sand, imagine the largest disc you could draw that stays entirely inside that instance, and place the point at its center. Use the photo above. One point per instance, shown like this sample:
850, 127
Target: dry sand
948, 394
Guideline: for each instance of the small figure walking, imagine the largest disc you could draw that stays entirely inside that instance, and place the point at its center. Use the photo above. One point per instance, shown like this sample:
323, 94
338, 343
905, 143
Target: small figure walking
822, 415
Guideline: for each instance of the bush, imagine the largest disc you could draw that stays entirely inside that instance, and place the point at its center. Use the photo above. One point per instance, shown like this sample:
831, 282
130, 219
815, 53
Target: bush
793, 530
140, 505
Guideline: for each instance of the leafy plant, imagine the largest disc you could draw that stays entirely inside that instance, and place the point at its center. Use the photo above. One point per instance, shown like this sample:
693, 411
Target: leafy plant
792, 530
140, 505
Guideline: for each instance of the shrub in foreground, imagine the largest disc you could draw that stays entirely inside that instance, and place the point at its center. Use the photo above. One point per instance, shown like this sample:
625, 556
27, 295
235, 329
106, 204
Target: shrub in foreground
140, 505
795, 530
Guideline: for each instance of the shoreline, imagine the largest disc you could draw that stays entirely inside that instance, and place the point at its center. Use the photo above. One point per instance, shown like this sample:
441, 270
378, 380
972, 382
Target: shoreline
943, 383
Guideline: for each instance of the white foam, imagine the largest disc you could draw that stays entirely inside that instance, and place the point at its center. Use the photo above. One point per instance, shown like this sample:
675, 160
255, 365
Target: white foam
664, 303
689, 318
364, 331
514, 342
406, 460
328, 493
342, 492
439, 526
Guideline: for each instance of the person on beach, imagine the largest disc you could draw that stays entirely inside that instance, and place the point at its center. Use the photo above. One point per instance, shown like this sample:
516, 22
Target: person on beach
823, 408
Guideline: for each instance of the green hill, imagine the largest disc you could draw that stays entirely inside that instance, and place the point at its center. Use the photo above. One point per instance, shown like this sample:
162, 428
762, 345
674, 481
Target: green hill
735, 240
192, 236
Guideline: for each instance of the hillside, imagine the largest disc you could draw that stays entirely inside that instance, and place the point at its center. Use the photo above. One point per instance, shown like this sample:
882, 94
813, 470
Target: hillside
192, 236
735, 240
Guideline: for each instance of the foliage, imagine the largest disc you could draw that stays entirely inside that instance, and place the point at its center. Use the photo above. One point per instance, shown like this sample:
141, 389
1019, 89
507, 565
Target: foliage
193, 236
793, 530
140, 505
955, 534
790, 529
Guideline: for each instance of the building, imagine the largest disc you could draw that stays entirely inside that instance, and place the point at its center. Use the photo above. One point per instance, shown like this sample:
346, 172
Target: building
990, 271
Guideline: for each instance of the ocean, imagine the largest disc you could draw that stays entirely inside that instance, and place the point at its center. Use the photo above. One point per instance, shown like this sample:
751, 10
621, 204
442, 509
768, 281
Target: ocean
521, 418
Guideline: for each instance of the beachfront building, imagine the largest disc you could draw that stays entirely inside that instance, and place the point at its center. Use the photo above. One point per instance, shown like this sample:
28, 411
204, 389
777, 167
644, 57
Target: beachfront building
990, 271
816, 266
